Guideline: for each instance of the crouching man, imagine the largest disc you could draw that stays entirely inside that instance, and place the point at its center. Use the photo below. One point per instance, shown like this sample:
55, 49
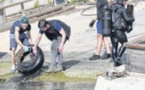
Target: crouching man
57, 32
18, 36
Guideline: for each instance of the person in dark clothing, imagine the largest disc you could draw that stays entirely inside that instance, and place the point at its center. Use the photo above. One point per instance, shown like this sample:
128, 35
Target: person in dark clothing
18, 36
100, 39
119, 31
58, 33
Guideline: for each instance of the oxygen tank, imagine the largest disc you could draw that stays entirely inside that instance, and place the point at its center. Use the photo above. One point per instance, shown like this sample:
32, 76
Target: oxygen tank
106, 22
130, 11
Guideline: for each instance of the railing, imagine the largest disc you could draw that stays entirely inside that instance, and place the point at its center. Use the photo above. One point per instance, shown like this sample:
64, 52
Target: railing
3, 9
3, 16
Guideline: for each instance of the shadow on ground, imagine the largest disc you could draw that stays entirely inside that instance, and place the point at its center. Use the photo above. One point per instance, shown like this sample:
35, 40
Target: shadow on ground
2, 54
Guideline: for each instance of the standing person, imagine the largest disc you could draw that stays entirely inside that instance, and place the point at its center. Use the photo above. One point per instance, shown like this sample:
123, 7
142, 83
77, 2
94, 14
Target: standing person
18, 36
100, 39
58, 33
120, 26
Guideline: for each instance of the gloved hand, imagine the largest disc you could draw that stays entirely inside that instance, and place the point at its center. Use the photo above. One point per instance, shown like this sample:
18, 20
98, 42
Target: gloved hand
26, 49
92, 23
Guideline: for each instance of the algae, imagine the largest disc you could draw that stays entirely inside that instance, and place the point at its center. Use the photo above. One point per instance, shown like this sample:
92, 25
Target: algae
60, 77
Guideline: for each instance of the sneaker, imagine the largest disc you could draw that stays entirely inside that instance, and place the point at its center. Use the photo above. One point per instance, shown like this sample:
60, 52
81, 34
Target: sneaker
59, 69
13, 69
51, 70
94, 57
106, 56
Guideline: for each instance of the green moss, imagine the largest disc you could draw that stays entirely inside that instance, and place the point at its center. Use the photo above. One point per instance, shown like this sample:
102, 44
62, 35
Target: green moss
77, 1
49, 1
5, 71
6, 77
4, 65
45, 77
59, 77
1, 1
36, 4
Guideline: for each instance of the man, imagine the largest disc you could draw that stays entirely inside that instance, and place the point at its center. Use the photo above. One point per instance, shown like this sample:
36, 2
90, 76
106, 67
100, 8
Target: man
100, 39
57, 32
18, 36
119, 30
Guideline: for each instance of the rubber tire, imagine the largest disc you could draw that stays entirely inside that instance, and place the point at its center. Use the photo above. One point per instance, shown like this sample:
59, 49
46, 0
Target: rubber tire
35, 66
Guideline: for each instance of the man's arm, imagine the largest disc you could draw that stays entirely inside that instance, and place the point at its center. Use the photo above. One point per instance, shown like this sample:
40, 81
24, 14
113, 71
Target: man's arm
63, 34
126, 16
17, 29
29, 37
39, 36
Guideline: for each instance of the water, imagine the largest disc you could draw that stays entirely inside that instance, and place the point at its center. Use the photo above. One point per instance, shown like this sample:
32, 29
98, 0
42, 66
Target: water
46, 86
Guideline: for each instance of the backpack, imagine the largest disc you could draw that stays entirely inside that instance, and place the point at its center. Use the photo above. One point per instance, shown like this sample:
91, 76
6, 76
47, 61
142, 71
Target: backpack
65, 27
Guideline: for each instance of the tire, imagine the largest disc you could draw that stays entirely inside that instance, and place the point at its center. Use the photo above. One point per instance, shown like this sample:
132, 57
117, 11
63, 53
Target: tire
33, 67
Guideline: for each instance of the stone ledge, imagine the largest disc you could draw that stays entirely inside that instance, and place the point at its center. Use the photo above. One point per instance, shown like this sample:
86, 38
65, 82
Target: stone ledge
133, 82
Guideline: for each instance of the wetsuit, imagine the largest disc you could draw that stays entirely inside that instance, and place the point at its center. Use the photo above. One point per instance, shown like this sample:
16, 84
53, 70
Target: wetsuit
119, 31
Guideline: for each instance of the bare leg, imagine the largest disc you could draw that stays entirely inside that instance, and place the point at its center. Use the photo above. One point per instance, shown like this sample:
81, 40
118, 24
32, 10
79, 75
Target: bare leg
13, 60
99, 44
107, 45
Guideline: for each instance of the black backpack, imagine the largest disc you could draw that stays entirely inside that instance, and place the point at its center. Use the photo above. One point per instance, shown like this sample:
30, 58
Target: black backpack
56, 33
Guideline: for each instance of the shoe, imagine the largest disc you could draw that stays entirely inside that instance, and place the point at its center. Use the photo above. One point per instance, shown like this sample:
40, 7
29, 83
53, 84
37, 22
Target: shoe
106, 56
118, 62
94, 57
51, 70
13, 69
59, 69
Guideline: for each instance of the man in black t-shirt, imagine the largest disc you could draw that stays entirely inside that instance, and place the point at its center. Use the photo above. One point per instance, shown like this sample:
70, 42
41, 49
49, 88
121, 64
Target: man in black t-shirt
58, 32
18, 36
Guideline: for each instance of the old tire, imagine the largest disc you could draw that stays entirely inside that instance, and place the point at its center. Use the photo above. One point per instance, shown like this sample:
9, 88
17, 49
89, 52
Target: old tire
34, 66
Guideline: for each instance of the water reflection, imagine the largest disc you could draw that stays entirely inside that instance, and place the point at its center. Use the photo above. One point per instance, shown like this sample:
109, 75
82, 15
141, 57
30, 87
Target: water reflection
46, 86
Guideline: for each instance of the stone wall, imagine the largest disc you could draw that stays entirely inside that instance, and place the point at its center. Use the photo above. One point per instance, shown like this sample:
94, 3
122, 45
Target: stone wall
135, 60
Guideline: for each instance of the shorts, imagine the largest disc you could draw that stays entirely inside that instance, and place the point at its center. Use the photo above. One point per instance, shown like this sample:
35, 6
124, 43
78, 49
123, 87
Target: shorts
99, 27
13, 43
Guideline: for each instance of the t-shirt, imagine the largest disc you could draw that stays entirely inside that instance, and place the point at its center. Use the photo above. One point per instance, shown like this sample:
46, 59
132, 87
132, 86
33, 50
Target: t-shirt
57, 27
18, 24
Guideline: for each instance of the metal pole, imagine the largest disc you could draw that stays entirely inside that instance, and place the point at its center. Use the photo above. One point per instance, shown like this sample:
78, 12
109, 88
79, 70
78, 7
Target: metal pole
66, 1
39, 5
5, 17
1, 16
55, 3
23, 10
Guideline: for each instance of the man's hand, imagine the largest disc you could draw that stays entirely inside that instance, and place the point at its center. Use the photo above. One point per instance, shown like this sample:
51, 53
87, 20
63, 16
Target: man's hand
60, 49
35, 50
